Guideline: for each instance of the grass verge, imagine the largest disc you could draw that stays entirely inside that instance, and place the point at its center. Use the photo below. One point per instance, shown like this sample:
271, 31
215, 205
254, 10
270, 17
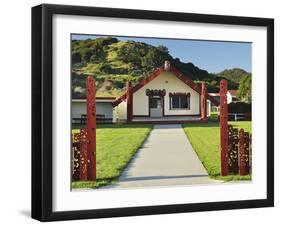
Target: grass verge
204, 139
116, 145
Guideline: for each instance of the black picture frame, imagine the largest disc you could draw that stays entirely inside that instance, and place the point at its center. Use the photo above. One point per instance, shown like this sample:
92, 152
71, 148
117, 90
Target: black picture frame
42, 111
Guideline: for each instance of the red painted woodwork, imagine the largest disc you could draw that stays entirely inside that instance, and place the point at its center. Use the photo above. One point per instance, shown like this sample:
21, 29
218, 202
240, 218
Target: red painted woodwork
91, 127
191, 84
155, 92
180, 94
75, 157
233, 159
140, 84
185, 79
241, 154
83, 145
156, 73
203, 101
250, 153
223, 128
129, 95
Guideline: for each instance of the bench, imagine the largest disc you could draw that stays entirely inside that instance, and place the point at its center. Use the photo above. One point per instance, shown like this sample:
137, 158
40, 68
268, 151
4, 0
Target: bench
83, 119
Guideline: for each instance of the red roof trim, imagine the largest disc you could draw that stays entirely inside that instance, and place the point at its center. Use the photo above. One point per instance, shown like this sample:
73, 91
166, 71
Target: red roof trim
191, 84
184, 78
155, 74
148, 79
140, 84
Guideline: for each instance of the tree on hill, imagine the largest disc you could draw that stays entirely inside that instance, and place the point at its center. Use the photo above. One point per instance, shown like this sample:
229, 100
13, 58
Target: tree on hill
234, 75
153, 59
245, 89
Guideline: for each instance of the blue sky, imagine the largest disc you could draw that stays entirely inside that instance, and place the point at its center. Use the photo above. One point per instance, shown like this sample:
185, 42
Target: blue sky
213, 56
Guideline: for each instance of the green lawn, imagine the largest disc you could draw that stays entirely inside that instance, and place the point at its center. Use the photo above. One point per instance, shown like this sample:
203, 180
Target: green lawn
205, 141
116, 144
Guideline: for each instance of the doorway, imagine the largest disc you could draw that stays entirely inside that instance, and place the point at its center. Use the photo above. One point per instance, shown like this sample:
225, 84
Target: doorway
156, 107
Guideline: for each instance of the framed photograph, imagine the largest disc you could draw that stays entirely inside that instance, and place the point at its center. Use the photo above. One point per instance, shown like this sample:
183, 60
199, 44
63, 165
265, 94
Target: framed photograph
146, 112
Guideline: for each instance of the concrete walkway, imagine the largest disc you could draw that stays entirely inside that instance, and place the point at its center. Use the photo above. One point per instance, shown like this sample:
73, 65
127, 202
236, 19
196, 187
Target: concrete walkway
166, 158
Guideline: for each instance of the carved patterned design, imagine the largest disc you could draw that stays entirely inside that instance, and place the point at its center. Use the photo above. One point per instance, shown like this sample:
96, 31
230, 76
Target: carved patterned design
79, 155
179, 94
140, 84
129, 94
223, 128
247, 157
239, 151
84, 142
155, 92
75, 157
91, 127
233, 149
203, 101
156, 73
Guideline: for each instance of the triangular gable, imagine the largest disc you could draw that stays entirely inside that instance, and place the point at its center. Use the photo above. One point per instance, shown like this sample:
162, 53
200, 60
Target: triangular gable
154, 75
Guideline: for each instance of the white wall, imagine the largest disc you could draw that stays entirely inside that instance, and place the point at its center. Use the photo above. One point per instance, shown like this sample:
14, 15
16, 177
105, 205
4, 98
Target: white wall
208, 108
229, 97
16, 121
169, 82
122, 111
102, 108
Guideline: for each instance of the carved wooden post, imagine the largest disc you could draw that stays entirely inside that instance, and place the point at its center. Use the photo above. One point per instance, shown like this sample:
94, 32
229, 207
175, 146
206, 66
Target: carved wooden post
223, 128
203, 101
129, 94
91, 127
83, 143
241, 154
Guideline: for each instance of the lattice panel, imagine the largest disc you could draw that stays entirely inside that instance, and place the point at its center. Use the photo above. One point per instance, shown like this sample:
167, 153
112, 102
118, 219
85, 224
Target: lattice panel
79, 155
75, 157
247, 152
233, 150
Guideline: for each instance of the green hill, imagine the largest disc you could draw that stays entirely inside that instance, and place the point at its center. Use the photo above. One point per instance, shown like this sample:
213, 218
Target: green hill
112, 62
235, 74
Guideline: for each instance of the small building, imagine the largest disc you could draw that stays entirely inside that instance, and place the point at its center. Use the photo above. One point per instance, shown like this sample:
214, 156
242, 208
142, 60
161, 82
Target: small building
104, 110
165, 95
231, 97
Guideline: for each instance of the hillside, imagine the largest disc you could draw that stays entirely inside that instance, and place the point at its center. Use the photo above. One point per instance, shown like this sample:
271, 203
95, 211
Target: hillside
235, 74
112, 62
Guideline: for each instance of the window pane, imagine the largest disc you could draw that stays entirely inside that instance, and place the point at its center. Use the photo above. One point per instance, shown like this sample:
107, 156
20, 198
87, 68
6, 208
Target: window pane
153, 103
183, 102
175, 102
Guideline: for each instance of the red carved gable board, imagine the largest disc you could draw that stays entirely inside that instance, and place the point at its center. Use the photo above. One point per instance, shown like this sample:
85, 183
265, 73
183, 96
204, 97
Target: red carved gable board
154, 75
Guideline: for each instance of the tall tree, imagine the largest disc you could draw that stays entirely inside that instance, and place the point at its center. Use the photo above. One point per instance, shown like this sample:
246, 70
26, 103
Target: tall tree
245, 89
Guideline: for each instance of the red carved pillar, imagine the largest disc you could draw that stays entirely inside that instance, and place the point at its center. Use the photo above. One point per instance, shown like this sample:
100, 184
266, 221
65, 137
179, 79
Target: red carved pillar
223, 128
203, 101
241, 153
91, 127
129, 93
